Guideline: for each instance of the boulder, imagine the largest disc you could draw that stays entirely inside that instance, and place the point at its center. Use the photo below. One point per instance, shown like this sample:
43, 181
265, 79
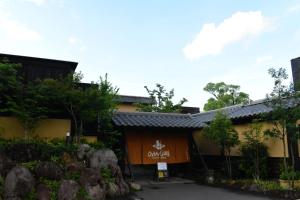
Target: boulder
74, 167
43, 192
91, 177
253, 188
6, 165
84, 152
135, 186
91, 181
112, 190
18, 182
95, 192
49, 170
123, 187
117, 174
103, 158
68, 190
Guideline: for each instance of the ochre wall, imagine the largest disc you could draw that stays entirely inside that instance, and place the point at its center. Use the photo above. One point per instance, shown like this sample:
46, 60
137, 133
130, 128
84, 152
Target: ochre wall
48, 128
141, 150
208, 147
90, 139
127, 108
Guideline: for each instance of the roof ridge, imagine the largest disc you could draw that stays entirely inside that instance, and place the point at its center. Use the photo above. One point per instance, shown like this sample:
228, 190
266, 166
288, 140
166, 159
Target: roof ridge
154, 113
219, 109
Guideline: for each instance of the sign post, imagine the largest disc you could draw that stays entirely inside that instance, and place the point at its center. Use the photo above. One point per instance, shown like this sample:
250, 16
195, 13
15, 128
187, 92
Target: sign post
162, 171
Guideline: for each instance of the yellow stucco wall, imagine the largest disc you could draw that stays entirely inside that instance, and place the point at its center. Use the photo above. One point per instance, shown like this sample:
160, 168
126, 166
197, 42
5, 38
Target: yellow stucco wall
48, 128
208, 147
127, 108
90, 139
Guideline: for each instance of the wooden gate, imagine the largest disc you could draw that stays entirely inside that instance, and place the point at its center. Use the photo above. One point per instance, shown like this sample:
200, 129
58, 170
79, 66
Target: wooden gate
152, 147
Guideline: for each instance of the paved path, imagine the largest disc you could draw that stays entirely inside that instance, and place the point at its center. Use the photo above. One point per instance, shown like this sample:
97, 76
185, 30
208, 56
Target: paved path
191, 192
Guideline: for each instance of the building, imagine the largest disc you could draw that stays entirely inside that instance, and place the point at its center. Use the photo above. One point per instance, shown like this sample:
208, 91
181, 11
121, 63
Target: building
149, 137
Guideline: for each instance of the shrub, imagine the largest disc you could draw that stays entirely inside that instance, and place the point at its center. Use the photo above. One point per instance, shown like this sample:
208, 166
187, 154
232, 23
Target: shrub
254, 160
31, 195
30, 165
72, 175
290, 175
107, 175
53, 185
35, 149
268, 185
82, 194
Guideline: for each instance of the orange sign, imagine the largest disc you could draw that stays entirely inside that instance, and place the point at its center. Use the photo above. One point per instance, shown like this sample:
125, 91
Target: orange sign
150, 148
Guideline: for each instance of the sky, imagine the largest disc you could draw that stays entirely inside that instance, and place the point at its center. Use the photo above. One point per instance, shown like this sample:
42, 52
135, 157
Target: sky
179, 44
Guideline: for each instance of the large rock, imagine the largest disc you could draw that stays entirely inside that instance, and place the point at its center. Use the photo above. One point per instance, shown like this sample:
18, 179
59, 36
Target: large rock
123, 187
6, 165
43, 192
135, 186
91, 181
95, 192
112, 190
49, 170
84, 152
90, 177
68, 190
74, 167
18, 182
103, 158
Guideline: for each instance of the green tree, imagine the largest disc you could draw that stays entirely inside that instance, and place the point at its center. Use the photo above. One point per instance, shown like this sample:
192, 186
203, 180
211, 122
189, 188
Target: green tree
20, 99
162, 101
224, 95
83, 102
285, 112
9, 82
222, 132
254, 151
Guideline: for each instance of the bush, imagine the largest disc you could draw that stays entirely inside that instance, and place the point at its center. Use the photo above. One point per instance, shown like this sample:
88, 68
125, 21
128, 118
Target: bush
290, 175
268, 185
53, 186
30, 165
35, 149
249, 159
107, 175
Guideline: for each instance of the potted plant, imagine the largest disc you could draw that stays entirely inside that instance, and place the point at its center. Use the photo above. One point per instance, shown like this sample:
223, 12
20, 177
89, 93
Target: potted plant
290, 179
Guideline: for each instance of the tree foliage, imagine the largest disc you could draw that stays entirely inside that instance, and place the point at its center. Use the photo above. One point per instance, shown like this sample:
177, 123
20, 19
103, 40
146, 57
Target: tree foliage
254, 152
23, 100
222, 132
33, 100
83, 102
162, 101
224, 95
284, 102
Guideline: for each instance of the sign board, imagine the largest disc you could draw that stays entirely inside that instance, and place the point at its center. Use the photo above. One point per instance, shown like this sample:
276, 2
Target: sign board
162, 170
162, 166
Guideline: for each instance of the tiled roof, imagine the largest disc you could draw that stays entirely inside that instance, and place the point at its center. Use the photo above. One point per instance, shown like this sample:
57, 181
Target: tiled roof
150, 119
199, 120
134, 99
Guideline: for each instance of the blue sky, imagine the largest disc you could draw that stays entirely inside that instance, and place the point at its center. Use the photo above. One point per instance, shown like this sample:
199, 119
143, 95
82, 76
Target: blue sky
180, 44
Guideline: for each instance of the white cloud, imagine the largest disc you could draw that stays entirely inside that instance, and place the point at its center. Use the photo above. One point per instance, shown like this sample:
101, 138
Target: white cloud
37, 2
73, 40
263, 59
294, 8
15, 29
213, 38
